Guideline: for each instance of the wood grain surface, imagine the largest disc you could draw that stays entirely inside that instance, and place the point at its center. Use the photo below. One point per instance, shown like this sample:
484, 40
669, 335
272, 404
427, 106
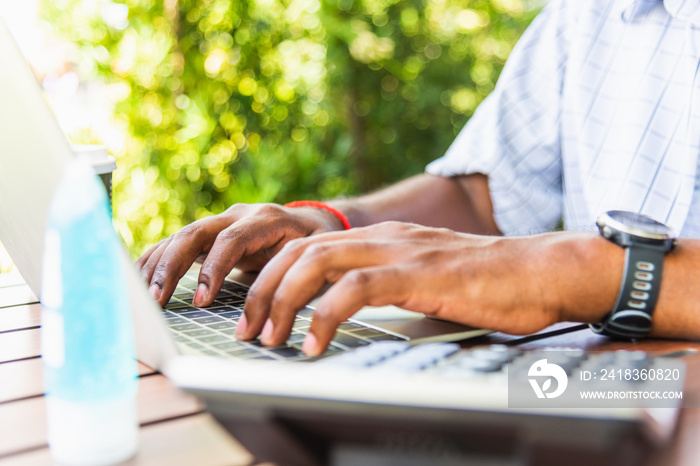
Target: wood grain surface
176, 430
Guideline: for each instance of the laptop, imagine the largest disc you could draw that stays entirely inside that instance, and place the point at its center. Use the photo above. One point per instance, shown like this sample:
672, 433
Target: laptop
331, 410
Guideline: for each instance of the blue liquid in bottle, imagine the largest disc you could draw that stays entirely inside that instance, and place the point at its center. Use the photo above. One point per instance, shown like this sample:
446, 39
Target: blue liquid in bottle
90, 371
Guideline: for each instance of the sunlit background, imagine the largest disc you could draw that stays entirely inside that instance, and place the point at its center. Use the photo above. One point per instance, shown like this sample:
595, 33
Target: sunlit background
206, 103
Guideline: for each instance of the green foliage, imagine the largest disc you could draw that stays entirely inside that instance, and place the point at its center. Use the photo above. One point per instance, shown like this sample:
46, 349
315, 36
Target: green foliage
225, 101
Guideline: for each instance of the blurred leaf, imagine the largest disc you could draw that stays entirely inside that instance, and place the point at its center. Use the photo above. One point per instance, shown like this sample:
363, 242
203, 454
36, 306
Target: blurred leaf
225, 101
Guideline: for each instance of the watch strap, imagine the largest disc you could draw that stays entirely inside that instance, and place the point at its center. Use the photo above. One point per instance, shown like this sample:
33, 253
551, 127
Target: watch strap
641, 281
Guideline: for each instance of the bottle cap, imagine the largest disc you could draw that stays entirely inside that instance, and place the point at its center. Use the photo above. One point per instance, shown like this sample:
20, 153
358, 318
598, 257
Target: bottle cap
92, 433
96, 156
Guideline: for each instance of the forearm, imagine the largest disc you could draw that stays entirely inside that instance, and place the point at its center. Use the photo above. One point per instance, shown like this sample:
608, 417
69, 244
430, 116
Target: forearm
460, 204
585, 275
516, 285
677, 313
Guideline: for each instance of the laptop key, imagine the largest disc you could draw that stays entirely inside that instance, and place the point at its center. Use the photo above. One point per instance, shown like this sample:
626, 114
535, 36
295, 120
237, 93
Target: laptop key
175, 320
209, 320
370, 355
287, 352
385, 336
333, 350
231, 300
420, 357
183, 310
229, 345
173, 305
348, 340
477, 365
212, 338
296, 338
241, 352
490, 354
367, 332
306, 312
196, 315
219, 309
184, 327
221, 325
301, 324
199, 333
350, 326
228, 284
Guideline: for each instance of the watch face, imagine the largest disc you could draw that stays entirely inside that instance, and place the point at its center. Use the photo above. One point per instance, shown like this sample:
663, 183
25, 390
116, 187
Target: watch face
637, 224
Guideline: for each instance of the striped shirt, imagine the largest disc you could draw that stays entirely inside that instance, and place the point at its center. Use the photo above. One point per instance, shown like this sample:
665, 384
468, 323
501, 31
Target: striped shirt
597, 108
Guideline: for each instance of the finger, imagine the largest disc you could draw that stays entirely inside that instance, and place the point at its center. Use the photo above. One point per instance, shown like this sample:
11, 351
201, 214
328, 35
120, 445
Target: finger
181, 253
375, 286
253, 263
173, 264
319, 264
150, 266
261, 292
256, 262
141, 261
244, 238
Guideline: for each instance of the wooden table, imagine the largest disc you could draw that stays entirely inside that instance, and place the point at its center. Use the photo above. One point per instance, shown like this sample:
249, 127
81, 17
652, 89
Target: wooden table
177, 430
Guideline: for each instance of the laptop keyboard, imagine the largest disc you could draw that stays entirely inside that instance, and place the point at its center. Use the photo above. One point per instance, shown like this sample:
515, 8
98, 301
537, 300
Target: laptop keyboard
211, 330
494, 361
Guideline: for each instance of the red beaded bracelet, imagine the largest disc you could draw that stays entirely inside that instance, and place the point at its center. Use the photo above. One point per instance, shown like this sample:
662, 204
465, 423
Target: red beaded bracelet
322, 205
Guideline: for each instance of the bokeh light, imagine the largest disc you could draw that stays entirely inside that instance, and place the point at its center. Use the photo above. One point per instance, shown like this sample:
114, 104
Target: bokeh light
213, 102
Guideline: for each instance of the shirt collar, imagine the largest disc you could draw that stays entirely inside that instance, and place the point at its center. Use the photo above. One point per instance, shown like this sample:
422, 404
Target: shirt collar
684, 10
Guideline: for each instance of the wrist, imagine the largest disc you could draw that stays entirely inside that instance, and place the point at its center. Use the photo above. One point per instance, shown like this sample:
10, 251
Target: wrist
584, 273
330, 218
354, 210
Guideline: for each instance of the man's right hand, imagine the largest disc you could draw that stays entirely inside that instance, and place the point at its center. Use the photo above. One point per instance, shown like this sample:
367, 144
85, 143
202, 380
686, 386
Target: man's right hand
244, 236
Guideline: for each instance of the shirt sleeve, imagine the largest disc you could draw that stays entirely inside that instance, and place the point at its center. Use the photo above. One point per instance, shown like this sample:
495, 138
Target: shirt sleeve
513, 137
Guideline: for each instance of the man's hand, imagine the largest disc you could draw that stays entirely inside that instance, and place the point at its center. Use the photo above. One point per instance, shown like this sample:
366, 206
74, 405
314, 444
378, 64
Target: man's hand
245, 235
488, 282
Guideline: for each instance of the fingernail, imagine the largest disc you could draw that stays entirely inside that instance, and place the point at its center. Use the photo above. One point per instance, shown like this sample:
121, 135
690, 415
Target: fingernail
200, 295
310, 345
241, 327
155, 291
266, 333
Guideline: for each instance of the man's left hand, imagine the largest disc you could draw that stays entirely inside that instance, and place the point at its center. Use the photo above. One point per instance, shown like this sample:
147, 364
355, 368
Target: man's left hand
482, 281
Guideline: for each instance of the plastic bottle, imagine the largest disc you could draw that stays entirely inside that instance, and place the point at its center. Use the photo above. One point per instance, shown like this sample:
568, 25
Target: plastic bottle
90, 371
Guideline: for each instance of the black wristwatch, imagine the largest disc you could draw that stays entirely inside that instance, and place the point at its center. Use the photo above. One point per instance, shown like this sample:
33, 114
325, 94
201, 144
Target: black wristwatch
646, 242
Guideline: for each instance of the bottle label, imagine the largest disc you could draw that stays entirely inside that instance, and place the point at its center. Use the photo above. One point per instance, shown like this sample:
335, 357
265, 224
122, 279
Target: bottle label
52, 278
52, 328
52, 338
